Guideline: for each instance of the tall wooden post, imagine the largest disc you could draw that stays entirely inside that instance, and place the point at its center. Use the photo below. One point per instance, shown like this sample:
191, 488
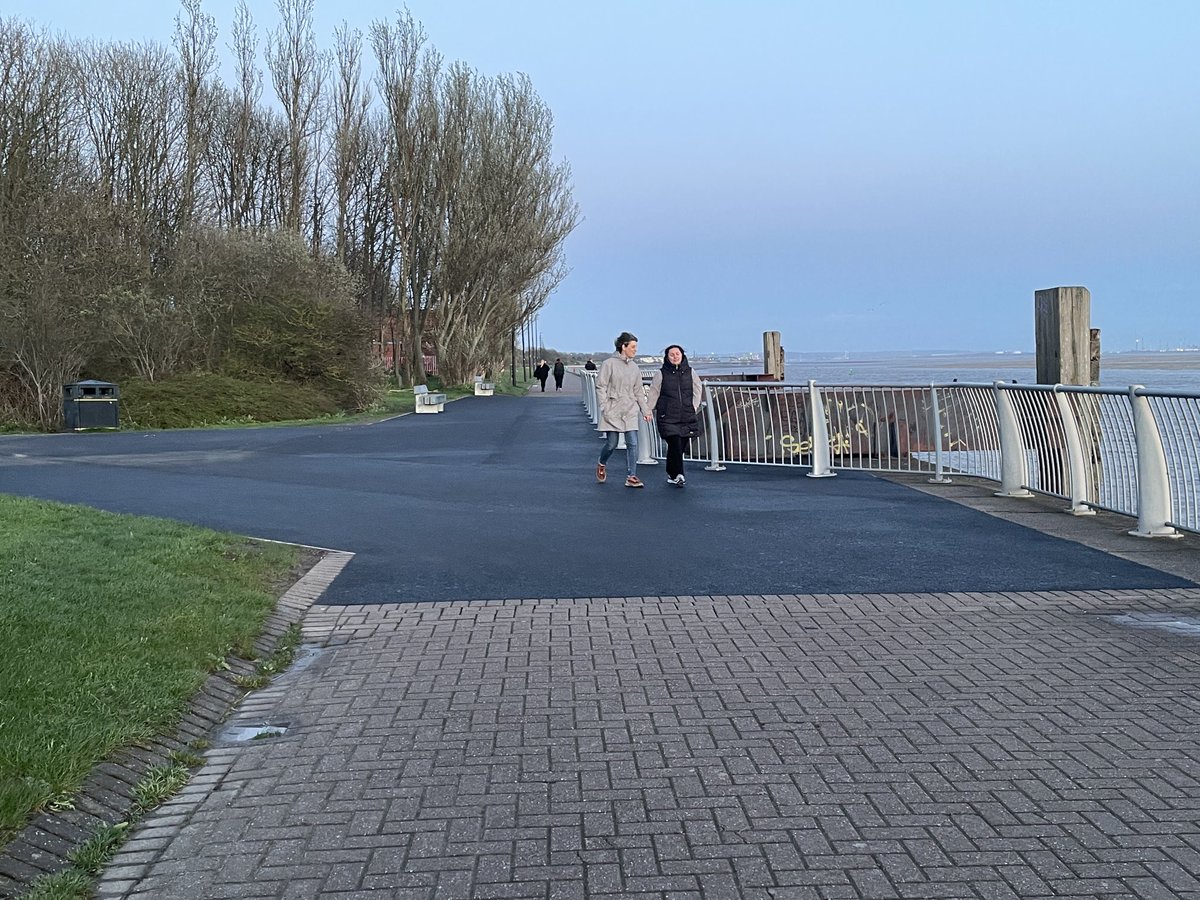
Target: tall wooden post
1068, 352
1062, 329
772, 356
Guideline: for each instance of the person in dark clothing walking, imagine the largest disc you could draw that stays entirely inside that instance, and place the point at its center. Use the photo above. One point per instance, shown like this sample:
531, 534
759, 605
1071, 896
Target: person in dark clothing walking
675, 395
590, 366
559, 371
541, 373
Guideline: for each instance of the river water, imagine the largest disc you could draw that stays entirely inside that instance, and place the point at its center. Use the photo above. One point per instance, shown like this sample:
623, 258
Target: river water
1173, 371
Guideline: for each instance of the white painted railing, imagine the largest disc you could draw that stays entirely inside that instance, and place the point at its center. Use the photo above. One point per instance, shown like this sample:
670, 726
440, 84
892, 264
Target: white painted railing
1135, 452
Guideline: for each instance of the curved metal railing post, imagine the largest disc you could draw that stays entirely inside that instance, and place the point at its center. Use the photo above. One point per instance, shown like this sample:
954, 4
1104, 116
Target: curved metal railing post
1154, 483
646, 433
714, 450
588, 378
819, 435
939, 476
1013, 467
1077, 472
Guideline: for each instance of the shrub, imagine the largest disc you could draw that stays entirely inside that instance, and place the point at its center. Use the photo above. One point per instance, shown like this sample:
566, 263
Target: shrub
196, 400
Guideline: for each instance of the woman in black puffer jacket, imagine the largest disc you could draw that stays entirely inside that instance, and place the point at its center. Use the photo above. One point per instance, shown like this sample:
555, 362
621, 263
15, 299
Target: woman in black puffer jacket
675, 395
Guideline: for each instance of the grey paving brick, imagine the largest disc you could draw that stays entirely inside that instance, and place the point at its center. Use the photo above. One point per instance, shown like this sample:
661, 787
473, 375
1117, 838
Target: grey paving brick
859, 745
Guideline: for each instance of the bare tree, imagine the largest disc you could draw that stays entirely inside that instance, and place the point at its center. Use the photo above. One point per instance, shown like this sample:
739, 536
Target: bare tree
297, 72
141, 199
349, 108
130, 109
195, 42
371, 247
246, 164
408, 84
47, 221
228, 158
511, 212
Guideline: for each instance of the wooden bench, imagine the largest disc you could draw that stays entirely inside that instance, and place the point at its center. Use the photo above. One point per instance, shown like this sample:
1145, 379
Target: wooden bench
428, 402
483, 388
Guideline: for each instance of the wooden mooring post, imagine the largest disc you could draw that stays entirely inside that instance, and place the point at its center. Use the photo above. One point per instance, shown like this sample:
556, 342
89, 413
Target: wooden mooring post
1062, 328
773, 362
1068, 352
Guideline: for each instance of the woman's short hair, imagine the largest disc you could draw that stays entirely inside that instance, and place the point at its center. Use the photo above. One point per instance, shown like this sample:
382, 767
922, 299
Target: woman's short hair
624, 338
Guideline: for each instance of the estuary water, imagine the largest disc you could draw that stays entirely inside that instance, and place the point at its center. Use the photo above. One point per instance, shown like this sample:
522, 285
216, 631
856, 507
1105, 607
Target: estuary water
1169, 371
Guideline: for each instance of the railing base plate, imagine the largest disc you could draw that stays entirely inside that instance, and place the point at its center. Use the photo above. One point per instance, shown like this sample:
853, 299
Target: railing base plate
820, 474
1167, 532
1021, 492
1079, 511
941, 480
714, 468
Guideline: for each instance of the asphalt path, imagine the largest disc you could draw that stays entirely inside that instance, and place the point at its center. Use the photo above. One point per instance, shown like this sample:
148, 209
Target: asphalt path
496, 499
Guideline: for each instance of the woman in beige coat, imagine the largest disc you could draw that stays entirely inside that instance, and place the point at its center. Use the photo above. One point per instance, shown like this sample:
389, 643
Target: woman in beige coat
622, 402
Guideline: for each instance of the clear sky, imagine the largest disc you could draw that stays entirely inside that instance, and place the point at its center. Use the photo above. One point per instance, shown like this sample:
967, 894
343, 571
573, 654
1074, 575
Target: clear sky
896, 174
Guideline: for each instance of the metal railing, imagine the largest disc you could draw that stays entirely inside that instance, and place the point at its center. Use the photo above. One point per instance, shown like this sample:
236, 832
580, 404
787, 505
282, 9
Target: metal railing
1135, 452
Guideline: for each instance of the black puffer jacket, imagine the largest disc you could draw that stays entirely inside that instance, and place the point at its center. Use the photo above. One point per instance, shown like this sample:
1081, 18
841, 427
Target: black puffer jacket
675, 392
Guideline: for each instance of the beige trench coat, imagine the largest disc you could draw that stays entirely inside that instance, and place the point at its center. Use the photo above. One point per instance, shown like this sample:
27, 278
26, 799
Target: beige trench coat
620, 393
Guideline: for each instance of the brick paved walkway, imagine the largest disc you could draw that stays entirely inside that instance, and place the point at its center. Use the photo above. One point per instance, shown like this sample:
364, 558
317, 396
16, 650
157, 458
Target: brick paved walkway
788, 743
958, 745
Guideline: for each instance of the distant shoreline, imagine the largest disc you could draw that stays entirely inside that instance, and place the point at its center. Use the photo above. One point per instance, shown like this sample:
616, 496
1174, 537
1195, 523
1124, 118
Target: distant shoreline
1181, 360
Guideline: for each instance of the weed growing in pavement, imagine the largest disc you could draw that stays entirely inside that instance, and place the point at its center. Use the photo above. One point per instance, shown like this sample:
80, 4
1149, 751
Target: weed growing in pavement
159, 784
91, 856
69, 884
280, 659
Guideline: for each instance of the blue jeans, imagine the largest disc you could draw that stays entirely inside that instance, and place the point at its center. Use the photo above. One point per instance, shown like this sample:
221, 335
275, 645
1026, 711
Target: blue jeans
631, 449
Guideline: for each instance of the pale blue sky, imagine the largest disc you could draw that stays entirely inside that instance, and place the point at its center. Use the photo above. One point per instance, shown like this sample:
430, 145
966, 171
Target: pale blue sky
857, 175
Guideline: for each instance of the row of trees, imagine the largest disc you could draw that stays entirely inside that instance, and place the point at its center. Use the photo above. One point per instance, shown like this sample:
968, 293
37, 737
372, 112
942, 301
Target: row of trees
155, 220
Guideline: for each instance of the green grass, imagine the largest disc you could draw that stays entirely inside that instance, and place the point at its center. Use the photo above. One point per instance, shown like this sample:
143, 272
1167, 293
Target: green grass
92, 855
157, 785
72, 884
108, 625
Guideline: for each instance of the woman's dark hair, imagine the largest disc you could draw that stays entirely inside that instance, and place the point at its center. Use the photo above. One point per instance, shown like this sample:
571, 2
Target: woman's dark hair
668, 350
624, 338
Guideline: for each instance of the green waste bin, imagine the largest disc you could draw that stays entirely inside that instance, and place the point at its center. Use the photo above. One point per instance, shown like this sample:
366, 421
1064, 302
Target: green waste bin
91, 404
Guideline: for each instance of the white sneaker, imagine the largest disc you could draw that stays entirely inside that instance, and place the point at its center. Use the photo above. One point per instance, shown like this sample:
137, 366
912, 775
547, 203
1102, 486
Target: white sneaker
678, 480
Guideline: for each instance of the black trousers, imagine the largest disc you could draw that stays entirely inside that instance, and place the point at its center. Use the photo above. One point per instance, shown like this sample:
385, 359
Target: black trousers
676, 446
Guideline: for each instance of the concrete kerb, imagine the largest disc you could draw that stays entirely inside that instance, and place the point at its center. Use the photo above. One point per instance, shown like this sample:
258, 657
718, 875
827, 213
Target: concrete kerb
107, 796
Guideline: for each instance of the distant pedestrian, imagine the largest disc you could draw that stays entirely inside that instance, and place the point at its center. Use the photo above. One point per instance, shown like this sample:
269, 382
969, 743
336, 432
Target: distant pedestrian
590, 366
559, 371
675, 395
622, 402
541, 373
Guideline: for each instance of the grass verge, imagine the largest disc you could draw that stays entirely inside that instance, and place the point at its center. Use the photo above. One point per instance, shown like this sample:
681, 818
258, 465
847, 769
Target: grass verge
108, 625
